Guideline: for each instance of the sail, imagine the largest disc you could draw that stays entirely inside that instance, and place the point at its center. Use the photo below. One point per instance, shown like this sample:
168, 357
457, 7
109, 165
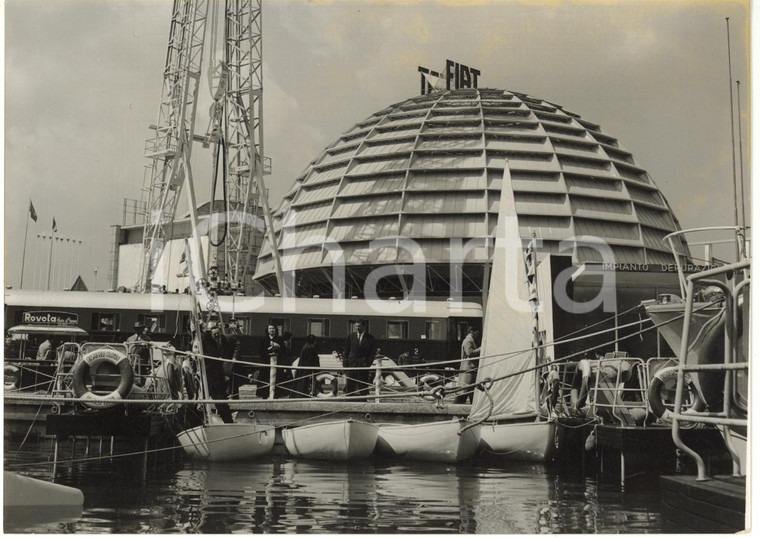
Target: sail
509, 322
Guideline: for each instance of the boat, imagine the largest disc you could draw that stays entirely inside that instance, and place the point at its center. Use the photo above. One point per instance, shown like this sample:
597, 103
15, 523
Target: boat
21, 490
448, 441
709, 331
29, 502
341, 440
516, 424
524, 441
227, 442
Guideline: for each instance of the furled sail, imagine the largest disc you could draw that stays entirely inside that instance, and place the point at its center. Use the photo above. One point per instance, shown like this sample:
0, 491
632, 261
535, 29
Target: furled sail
509, 323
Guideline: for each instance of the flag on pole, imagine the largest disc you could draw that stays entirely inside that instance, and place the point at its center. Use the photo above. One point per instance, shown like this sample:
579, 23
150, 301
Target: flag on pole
55, 226
32, 212
437, 82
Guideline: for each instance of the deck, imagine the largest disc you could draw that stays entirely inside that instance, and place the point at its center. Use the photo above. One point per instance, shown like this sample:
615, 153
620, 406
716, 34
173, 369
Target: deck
717, 505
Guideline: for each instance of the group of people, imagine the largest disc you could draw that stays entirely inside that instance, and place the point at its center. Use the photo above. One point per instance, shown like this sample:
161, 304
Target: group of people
223, 376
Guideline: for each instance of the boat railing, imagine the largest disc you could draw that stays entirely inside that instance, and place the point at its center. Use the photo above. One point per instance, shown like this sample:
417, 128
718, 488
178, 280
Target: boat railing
736, 293
611, 394
680, 248
331, 377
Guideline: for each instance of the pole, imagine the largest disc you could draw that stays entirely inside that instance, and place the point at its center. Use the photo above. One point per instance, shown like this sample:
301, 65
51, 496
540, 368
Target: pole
741, 154
733, 142
23, 255
50, 259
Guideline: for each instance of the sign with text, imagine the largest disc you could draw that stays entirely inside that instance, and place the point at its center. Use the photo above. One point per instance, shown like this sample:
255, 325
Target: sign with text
456, 76
50, 318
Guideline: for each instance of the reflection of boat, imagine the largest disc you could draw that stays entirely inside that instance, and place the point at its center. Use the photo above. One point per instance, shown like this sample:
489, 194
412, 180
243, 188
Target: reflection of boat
227, 442
341, 440
444, 441
527, 441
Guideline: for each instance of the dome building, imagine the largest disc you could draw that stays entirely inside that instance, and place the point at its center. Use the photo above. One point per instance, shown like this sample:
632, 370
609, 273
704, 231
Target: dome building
425, 177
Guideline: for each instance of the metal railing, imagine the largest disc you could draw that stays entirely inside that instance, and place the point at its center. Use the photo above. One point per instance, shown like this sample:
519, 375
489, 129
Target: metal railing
732, 288
611, 398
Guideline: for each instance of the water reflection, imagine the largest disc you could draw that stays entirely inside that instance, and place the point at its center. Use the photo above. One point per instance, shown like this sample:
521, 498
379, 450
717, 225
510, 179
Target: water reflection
281, 495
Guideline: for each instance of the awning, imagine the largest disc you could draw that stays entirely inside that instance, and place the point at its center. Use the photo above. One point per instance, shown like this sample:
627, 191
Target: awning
46, 329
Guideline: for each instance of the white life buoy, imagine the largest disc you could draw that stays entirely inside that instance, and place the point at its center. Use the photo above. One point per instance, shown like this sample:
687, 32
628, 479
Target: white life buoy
654, 395
330, 380
91, 361
12, 376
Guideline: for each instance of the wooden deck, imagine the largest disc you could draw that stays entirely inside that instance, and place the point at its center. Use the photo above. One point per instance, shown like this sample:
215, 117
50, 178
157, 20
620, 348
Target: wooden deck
717, 505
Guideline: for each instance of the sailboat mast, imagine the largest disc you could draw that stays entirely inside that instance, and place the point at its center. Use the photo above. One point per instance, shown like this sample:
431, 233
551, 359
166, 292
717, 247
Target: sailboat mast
197, 322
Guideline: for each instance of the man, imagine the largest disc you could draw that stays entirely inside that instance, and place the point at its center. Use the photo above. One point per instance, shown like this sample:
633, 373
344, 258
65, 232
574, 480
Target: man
359, 352
215, 344
469, 364
308, 357
230, 368
140, 350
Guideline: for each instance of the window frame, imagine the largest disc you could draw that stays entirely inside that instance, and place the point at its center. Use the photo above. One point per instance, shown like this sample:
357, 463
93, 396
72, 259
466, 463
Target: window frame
403, 323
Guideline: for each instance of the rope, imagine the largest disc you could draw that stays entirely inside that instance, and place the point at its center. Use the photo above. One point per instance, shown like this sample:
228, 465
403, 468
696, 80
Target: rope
584, 351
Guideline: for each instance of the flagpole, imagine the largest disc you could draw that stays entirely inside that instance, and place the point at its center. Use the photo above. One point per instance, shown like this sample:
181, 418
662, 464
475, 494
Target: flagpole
50, 261
23, 255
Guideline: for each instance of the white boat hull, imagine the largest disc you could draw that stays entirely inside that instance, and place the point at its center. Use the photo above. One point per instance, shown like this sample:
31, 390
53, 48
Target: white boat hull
227, 442
431, 441
522, 441
340, 440
26, 491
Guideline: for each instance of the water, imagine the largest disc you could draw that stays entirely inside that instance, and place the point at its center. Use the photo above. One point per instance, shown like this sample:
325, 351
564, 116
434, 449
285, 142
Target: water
282, 495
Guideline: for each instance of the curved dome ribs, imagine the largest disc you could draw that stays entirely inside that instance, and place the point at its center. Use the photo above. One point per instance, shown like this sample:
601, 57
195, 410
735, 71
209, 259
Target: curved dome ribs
414, 189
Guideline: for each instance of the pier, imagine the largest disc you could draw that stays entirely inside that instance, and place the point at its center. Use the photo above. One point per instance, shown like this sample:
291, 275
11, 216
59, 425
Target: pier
716, 505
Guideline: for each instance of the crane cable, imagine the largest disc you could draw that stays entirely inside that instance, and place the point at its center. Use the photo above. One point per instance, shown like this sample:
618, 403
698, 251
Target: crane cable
221, 147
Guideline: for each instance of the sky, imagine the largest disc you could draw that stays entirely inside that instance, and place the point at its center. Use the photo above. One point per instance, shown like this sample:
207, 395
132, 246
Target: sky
83, 82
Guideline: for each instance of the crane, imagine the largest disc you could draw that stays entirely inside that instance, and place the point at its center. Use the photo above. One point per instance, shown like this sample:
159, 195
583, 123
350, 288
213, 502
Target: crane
238, 124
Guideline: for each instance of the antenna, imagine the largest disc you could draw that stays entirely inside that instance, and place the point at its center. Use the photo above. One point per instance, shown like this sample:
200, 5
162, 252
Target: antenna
741, 153
733, 142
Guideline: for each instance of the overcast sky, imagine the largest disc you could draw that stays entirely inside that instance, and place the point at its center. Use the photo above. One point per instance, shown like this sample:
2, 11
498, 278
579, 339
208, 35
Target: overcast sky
83, 82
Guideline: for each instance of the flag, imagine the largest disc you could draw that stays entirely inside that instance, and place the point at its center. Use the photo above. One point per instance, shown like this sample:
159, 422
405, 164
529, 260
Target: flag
32, 212
55, 226
438, 83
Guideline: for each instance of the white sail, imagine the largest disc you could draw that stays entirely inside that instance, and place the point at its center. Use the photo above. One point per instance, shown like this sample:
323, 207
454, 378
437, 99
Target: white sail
509, 323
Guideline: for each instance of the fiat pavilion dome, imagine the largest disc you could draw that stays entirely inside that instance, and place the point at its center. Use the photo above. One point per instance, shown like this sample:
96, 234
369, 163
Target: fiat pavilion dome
429, 171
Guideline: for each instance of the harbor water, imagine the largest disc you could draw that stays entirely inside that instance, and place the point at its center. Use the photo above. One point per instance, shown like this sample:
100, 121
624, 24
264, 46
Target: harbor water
279, 494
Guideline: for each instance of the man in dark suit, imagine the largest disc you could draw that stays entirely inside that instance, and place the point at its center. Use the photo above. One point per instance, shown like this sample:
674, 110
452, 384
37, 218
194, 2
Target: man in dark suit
215, 344
359, 352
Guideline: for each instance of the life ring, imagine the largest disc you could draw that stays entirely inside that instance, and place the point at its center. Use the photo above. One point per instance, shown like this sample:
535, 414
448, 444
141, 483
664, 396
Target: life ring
654, 395
426, 383
12, 376
327, 379
93, 360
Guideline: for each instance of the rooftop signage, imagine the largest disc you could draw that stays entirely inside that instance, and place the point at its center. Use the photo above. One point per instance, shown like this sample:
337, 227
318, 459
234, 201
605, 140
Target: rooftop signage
50, 318
455, 75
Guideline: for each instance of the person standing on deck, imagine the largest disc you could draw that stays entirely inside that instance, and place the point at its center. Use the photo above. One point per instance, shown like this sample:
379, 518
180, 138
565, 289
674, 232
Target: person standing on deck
231, 368
140, 349
359, 352
215, 344
308, 357
273, 347
469, 363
